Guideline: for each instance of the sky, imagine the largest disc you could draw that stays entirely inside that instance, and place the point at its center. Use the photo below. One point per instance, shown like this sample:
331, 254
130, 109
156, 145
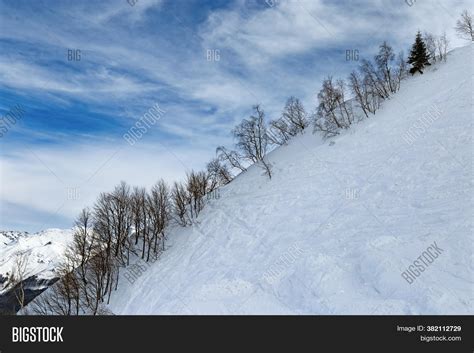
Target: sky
76, 76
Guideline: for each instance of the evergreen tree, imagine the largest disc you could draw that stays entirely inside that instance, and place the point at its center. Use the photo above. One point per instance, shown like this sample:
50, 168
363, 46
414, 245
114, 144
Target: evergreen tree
419, 57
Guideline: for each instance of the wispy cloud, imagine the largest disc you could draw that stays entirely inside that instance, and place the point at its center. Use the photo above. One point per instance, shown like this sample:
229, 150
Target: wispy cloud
157, 51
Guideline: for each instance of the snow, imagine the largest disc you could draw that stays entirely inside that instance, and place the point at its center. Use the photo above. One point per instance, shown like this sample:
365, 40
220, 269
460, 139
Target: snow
45, 252
339, 222
7, 237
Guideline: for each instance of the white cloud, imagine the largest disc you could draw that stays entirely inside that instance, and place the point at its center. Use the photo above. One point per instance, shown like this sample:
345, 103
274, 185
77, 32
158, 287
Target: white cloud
298, 26
132, 10
47, 178
127, 67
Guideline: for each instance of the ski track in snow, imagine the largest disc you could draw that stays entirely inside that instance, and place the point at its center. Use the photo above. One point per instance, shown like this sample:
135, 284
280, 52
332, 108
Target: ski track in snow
357, 212
360, 210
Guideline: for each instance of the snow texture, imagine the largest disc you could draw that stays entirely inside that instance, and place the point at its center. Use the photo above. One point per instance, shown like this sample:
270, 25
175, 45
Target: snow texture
44, 251
341, 219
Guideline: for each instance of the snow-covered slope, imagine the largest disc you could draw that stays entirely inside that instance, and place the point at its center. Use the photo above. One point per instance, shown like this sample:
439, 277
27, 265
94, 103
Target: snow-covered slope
339, 222
10, 236
43, 251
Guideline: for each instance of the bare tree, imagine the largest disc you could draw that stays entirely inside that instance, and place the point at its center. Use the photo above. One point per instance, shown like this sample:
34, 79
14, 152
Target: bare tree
51, 302
279, 132
360, 94
368, 100
181, 202
89, 269
345, 107
430, 42
232, 158
218, 174
464, 26
292, 122
83, 247
101, 240
122, 220
252, 139
334, 112
158, 203
104, 272
374, 80
18, 277
401, 70
436, 46
113, 220
442, 45
138, 194
66, 295
104, 221
69, 287
188, 198
197, 188
295, 114
384, 60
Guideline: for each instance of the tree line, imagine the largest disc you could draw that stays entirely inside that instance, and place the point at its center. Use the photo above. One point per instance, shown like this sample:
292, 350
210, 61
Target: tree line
123, 223
134, 221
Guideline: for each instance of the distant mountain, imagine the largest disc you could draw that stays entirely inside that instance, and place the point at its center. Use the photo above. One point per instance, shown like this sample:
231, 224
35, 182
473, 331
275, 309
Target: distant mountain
7, 237
44, 252
337, 229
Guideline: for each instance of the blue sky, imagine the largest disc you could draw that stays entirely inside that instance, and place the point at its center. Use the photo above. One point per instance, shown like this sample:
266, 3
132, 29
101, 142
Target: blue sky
68, 145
